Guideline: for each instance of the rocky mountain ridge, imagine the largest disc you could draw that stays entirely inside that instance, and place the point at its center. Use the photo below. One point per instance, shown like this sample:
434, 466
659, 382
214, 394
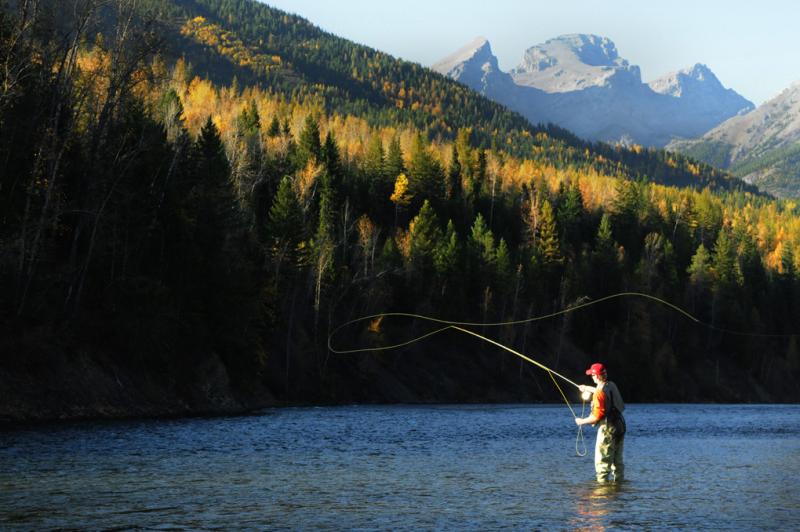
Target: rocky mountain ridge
581, 83
762, 147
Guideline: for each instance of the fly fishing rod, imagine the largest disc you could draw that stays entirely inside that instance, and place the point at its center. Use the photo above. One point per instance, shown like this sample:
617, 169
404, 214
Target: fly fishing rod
461, 327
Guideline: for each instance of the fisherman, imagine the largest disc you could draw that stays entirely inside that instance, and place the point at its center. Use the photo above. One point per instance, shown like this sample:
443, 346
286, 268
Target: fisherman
607, 407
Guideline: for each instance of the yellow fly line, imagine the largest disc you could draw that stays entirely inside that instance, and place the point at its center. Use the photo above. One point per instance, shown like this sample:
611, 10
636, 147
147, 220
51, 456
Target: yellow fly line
460, 326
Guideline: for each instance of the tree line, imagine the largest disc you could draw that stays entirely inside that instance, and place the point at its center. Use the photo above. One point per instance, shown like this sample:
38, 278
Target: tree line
149, 211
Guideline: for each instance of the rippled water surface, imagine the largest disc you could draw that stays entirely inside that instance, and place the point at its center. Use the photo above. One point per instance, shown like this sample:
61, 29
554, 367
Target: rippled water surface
378, 467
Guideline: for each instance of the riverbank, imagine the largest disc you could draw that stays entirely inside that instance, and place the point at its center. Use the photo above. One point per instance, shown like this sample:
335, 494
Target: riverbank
44, 380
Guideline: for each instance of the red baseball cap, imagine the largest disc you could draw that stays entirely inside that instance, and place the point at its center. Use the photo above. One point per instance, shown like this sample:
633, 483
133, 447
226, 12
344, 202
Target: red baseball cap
596, 369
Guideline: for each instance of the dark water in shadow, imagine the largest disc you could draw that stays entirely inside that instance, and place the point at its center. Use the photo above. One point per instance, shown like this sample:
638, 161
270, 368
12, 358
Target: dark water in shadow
407, 467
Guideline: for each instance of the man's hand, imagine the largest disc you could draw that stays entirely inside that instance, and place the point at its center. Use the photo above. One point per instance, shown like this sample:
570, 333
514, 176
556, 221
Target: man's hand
583, 388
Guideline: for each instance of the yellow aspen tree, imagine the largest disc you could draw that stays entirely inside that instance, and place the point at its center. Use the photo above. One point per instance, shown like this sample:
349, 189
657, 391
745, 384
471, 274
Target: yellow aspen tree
401, 197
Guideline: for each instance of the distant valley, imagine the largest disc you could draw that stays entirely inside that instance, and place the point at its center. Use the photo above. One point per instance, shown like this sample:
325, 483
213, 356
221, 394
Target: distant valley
761, 147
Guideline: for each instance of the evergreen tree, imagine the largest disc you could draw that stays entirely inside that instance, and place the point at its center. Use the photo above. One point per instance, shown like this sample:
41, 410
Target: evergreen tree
504, 268
482, 247
726, 267
453, 191
309, 146
213, 195
332, 161
570, 212
605, 274
625, 209
374, 162
547, 252
425, 173
247, 158
394, 160
708, 217
284, 226
248, 122
274, 129
379, 184
423, 235
446, 256
212, 165
475, 185
700, 270
727, 277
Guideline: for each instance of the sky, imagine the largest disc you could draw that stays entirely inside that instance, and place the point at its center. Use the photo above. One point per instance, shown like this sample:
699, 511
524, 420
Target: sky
751, 46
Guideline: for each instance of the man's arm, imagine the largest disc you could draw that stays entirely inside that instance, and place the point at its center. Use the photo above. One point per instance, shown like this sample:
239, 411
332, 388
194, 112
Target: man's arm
598, 410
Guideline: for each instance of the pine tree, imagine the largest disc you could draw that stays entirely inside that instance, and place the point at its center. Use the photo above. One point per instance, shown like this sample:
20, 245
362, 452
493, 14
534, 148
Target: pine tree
213, 195
605, 271
423, 234
284, 226
570, 212
379, 185
700, 270
453, 190
332, 161
212, 165
726, 267
503, 266
425, 173
248, 121
547, 252
625, 210
475, 188
309, 146
446, 257
274, 129
374, 162
394, 165
481, 246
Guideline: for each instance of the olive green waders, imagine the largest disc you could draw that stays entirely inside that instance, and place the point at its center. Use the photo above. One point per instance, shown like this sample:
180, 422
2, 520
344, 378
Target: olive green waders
608, 455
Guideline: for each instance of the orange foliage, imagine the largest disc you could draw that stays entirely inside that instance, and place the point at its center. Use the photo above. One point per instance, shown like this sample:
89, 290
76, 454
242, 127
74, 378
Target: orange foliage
200, 102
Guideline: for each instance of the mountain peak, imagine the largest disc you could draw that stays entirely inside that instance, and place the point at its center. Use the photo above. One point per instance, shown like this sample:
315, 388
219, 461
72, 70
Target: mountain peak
697, 81
700, 72
478, 51
574, 62
580, 82
591, 50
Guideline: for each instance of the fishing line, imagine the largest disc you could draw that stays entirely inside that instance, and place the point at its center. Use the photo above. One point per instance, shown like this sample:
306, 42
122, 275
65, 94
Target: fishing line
579, 439
459, 326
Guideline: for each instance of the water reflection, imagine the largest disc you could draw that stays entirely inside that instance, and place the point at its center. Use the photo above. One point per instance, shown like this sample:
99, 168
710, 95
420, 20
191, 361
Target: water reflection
594, 502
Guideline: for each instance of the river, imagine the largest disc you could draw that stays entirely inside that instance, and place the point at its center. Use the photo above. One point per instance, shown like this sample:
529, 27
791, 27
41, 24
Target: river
473, 467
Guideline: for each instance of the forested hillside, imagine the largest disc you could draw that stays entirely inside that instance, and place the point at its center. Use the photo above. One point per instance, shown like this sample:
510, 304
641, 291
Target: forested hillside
172, 243
287, 55
762, 147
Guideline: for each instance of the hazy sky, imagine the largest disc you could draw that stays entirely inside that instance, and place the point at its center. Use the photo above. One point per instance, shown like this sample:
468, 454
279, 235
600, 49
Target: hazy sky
752, 46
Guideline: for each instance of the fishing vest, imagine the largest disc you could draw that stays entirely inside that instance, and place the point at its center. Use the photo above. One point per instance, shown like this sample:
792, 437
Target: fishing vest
614, 420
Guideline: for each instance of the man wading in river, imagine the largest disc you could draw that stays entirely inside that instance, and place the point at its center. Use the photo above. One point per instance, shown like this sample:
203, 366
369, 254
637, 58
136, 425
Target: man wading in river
607, 407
